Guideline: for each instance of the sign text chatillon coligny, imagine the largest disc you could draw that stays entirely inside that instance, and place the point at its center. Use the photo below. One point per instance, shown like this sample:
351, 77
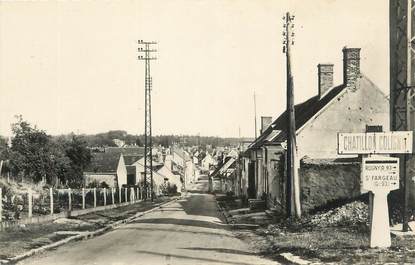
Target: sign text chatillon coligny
396, 142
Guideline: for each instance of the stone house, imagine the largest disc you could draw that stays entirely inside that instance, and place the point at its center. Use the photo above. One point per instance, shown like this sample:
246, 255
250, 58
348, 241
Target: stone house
348, 107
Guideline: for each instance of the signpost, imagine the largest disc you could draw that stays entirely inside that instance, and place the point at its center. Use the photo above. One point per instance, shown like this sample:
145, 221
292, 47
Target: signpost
380, 173
397, 142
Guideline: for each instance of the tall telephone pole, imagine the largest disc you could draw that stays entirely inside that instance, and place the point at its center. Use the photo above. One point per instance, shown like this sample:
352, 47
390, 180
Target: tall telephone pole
402, 104
256, 130
293, 205
146, 51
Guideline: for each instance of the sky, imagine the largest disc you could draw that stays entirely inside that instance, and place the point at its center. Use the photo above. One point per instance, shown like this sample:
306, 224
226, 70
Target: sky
71, 66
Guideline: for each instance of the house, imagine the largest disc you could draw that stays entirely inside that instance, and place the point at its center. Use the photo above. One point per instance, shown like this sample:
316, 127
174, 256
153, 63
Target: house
106, 169
224, 177
185, 164
171, 178
348, 107
208, 161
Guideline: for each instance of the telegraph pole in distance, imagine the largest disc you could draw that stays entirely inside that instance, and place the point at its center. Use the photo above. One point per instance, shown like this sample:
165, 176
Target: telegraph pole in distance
146, 52
255, 115
293, 205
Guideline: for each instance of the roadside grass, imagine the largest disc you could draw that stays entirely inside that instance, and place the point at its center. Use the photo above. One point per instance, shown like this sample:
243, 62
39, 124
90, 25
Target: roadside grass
337, 245
19, 239
321, 238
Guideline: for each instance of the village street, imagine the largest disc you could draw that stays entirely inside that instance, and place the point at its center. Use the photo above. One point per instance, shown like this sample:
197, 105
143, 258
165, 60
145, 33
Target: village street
188, 231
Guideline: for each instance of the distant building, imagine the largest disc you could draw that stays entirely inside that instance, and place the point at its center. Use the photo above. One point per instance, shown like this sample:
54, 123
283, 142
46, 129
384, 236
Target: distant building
106, 169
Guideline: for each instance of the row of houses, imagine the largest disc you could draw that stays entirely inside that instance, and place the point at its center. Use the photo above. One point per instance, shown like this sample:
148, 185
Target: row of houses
124, 166
325, 176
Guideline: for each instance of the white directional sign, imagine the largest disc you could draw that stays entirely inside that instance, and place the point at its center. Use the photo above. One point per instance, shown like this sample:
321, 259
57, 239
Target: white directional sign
396, 142
380, 174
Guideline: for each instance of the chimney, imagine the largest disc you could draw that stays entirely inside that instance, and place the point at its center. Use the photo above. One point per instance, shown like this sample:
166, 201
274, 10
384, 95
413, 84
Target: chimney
265, 122
325, 78
351, 66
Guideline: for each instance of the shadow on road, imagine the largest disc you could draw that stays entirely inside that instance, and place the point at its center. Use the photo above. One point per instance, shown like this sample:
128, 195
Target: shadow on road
223, 250
197, 260
177, 221
169, 230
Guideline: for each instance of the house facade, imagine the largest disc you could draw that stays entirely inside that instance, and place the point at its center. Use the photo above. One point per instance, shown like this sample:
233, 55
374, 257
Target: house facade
348, 107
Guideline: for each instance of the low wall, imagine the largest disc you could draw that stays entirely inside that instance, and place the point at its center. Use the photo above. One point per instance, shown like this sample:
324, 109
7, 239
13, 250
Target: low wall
327, 181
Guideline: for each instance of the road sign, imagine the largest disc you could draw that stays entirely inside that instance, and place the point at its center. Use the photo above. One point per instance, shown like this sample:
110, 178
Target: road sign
380, 174
396, 142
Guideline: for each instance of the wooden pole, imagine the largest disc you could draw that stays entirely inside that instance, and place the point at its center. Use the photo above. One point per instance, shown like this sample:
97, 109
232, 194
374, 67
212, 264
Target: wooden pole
29, 197
105, 196
293, 187
51, 200
112, 196
126, 194
95, 197
138, 193
83, 198
70, 199
119, 194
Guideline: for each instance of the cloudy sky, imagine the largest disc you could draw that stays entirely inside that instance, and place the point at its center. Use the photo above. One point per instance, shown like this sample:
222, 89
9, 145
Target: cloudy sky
71, 66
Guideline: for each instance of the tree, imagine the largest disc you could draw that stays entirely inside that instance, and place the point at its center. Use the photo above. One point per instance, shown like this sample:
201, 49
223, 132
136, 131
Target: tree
34, 156
80, 158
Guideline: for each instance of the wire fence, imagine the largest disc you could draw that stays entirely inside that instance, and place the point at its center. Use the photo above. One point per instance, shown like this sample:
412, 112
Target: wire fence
34, 203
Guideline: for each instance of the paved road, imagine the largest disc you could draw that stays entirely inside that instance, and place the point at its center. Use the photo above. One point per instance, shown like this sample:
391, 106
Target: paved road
188, 231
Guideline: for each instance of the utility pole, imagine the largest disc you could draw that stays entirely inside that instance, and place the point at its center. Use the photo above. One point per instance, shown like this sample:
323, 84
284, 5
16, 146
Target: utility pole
255, 115
293, 205
402, 88
146, 51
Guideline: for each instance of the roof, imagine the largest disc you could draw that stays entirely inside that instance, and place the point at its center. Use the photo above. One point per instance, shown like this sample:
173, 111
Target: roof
131, 159
303, 112
137, 151
103, 162
130, 170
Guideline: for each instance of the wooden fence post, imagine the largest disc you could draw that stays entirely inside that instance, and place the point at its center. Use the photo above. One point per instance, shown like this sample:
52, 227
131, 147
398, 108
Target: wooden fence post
126, 194
69, 199
51, 200
95, 197
83, 198
105, 197
119, 194
133, 192
138, 194
112, 196
29, 198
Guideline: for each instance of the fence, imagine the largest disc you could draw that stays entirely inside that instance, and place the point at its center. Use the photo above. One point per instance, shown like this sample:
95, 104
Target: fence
49, 204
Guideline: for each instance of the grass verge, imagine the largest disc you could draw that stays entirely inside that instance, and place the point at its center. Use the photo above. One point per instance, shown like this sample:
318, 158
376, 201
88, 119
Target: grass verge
17, 240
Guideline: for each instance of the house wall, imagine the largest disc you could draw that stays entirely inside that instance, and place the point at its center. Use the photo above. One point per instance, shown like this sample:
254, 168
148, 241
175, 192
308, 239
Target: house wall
109, 179
275, 176
322, 183
351, 111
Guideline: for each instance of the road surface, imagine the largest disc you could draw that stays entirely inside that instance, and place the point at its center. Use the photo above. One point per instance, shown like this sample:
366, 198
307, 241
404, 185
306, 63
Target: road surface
188, 231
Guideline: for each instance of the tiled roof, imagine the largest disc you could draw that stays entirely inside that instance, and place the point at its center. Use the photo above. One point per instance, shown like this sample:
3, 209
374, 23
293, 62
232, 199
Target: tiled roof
137, 151
131, 159
103, 162
303, 112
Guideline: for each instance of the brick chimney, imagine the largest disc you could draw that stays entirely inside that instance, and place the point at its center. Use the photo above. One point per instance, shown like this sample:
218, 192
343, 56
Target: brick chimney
265, 122
325, 78
351, 66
